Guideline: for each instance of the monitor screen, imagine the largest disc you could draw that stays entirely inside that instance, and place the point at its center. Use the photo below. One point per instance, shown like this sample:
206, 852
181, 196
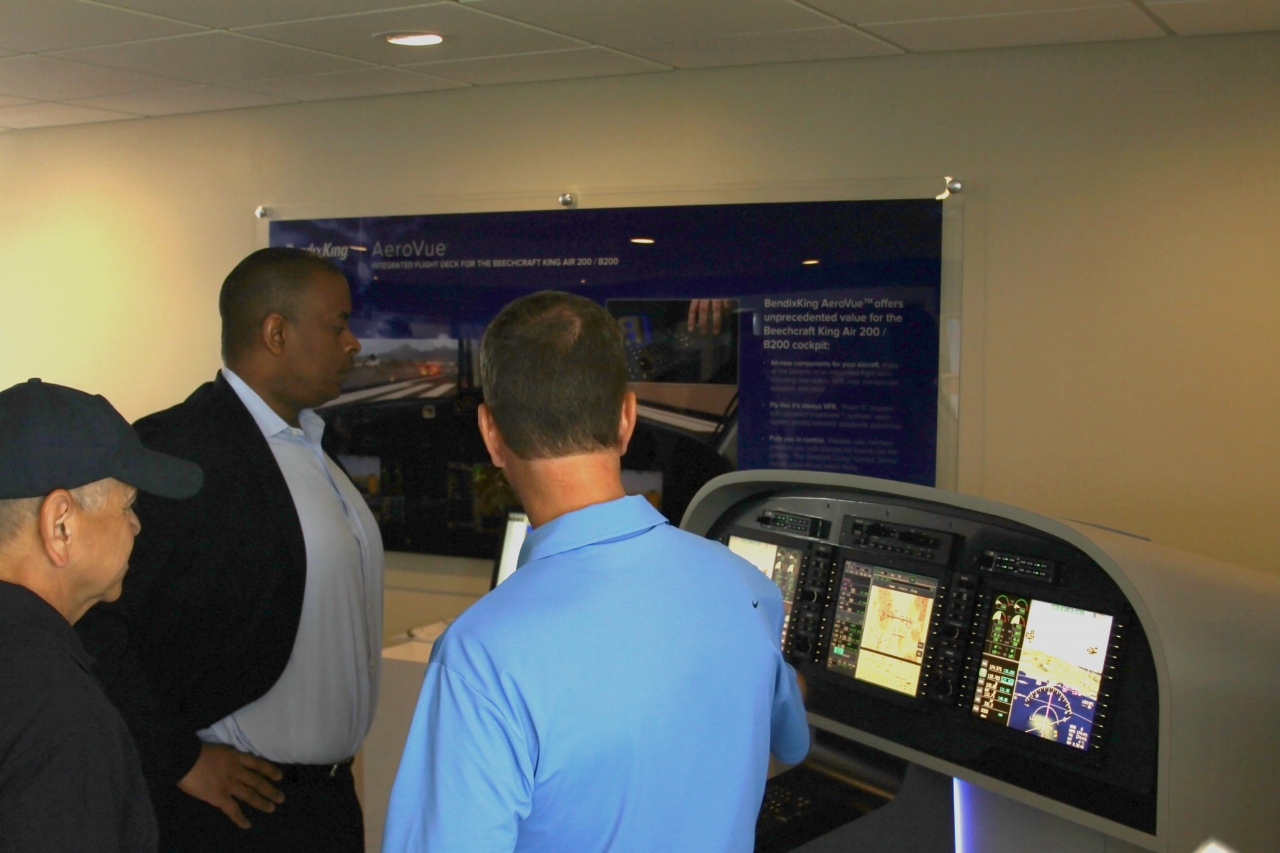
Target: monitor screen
1041, 669
779, 563
881, 626
512, 539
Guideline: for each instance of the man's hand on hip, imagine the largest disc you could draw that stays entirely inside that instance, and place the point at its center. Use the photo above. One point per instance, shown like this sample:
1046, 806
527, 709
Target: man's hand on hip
223, 775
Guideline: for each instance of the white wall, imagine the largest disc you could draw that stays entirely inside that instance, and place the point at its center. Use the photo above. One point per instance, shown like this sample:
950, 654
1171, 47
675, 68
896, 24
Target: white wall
1122, 279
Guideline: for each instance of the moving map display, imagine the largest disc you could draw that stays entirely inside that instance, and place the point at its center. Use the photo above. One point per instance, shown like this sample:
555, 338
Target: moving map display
881, 626
1041, 669
781, 565
896, 629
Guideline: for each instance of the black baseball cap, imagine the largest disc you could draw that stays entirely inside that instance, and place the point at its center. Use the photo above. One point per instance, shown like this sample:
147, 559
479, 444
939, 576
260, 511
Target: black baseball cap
54, 437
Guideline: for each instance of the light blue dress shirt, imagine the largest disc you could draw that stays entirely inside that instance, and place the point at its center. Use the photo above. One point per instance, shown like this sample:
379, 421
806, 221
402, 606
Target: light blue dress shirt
321, 708
620, 692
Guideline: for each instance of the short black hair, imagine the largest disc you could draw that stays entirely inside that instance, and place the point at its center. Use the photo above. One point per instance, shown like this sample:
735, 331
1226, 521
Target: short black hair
266, 282
554, 373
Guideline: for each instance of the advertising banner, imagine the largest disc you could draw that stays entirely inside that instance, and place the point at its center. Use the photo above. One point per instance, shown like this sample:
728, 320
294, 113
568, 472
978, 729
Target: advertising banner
811, 326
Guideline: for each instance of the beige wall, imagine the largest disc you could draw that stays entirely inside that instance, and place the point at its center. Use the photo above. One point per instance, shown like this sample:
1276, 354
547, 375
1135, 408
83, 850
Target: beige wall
420, 589
1122, 274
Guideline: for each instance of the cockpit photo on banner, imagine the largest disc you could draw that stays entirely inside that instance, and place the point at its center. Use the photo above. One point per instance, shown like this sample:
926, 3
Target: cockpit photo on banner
781, 335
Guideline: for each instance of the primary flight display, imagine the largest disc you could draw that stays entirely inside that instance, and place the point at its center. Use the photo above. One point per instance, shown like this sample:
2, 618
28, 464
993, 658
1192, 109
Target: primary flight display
1041, 669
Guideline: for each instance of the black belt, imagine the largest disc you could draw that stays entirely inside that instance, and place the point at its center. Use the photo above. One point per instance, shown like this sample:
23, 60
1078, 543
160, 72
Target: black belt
314, 773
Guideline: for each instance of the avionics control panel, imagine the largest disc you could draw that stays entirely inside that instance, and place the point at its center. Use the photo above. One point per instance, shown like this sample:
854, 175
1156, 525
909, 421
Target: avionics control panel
990, 645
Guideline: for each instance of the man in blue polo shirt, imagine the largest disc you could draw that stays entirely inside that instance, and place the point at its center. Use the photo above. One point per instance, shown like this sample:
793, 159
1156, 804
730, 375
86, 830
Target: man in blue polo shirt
623, 689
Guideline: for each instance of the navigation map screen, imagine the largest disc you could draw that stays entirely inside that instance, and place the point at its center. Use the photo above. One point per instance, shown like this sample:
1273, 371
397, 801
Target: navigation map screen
1041, 669
881, 626
780, 564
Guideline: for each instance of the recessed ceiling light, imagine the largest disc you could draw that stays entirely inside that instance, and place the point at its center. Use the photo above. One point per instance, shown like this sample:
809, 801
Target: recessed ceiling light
809, 263
412, 39
643, 240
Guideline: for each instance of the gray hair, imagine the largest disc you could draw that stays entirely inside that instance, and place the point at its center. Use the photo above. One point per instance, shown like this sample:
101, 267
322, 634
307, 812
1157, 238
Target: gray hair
16, 514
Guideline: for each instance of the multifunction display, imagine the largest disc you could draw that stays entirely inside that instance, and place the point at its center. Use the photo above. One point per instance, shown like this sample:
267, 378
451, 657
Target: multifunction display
1041, 669
780, 564
882, 626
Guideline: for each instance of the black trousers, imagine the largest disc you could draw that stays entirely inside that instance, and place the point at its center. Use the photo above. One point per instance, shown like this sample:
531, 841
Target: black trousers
320, 814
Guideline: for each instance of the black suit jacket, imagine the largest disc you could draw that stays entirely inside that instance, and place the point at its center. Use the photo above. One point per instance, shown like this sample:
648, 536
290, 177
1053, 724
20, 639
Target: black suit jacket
212, 600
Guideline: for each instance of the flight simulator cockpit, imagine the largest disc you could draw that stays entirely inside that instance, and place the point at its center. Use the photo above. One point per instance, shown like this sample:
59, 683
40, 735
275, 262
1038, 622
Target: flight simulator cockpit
1072, 680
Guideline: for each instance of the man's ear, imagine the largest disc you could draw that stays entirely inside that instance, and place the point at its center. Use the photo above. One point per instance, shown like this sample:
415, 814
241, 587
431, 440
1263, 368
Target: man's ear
273, 333
627, 422
57, 524
492, 438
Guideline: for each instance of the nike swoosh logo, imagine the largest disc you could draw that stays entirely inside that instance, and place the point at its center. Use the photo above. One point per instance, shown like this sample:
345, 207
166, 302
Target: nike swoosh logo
755, 604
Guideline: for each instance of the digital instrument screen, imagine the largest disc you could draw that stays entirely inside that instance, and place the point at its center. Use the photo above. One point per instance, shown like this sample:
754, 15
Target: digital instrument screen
512, 540
780, 564
881, 626
1041, 669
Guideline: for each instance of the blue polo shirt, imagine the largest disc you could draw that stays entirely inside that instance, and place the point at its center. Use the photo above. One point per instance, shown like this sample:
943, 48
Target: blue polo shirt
620, 692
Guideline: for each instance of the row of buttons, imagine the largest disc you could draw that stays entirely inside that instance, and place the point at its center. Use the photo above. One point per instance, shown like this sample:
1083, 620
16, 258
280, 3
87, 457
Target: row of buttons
809, 611
894, 549
1108, 681
950, 655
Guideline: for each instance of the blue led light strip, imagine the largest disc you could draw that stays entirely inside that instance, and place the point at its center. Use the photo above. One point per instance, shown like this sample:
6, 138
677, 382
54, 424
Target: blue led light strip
959, 815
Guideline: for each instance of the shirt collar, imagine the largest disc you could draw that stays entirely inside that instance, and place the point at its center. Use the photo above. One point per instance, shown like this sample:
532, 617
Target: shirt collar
616, 519
265, 417
20, 606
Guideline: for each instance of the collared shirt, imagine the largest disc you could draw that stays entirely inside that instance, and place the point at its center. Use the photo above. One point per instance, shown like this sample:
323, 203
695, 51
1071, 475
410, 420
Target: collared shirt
320, 709
621, 691
69, 774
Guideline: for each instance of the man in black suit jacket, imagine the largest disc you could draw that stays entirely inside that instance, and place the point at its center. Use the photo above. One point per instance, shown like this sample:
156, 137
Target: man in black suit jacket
211, 653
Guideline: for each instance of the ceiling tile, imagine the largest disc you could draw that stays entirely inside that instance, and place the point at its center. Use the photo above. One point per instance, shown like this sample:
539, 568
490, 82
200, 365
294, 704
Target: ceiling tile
1211, 17
794, 46
350, 84
39, 25
468, 34
557, 65
246, 13
48, 115
44, 78
191, 99
627, 23
880, 11
1066, 26
213, 57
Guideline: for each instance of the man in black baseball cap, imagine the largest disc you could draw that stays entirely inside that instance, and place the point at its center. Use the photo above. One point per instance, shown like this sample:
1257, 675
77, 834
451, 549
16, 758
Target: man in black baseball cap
70, 468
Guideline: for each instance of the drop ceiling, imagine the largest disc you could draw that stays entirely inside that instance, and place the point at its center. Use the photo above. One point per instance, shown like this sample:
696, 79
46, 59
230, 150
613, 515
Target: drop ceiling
81, 61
